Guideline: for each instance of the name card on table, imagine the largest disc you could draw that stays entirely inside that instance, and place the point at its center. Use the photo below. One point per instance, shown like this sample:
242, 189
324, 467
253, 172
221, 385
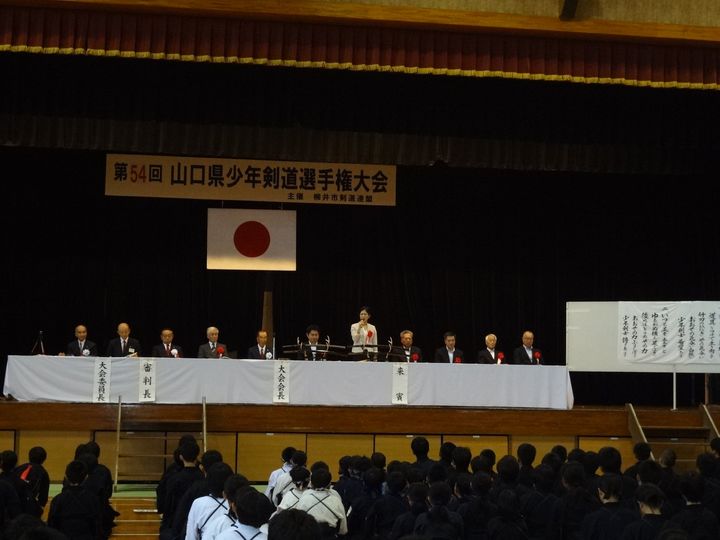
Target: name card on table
400, 383
281, 381
146, 381
101, 380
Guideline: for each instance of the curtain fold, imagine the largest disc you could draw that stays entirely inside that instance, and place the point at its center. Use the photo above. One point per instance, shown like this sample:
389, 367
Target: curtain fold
297, 44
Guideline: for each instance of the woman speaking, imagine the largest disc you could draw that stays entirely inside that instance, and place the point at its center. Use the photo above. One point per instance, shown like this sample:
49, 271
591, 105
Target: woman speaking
363, 333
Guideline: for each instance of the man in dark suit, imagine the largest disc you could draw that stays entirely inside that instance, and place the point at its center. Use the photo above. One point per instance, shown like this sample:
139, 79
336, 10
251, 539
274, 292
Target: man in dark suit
449, 354
81, 346
527, 354
261, 351
124, 345
213, 348
407, 351
167, 349
310, 350
489, 355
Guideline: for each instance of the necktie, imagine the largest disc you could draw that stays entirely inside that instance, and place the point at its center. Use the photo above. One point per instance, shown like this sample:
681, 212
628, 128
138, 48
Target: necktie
212, 346
124, 346
262, 352
167, 349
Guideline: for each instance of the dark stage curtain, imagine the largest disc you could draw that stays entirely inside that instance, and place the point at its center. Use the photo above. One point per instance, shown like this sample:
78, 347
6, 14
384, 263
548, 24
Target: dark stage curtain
144, 106
475, 251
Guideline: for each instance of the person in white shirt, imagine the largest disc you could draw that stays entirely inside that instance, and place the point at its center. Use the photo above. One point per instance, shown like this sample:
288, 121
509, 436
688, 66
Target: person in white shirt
284, 482
287, 454
205, 510
328, 510
253, 511
363, 334
232, 486
301, 479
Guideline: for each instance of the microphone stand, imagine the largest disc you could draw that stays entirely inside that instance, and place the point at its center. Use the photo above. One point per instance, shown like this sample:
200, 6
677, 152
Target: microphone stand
38, 344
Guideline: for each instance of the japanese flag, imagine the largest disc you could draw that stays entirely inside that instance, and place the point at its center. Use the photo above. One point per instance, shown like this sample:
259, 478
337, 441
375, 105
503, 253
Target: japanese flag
251, 239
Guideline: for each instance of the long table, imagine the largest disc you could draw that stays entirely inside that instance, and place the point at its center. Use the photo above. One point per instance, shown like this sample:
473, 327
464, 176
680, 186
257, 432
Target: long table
188, 380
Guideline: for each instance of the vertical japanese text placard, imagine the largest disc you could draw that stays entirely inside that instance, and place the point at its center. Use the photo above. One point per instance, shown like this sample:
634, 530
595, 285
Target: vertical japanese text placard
400, 383
101, 380
281, 381
146, 380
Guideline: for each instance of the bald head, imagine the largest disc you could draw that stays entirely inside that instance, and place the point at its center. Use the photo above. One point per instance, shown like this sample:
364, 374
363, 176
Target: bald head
123, 330
81, 332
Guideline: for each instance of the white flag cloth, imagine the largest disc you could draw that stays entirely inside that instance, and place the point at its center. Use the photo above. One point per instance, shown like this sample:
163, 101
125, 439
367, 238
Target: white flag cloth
251, 239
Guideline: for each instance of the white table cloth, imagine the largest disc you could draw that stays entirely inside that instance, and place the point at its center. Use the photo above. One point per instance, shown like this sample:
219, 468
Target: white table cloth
187, 380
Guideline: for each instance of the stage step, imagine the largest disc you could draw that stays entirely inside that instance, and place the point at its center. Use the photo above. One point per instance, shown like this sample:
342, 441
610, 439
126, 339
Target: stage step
137, 520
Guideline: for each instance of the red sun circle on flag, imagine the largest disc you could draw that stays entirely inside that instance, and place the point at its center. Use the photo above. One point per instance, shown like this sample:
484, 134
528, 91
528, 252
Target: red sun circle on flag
251, 239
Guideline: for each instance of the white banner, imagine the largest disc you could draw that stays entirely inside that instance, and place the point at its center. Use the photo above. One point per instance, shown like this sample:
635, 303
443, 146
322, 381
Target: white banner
281, 381
400, 383
101, 380
146, 380
669, 332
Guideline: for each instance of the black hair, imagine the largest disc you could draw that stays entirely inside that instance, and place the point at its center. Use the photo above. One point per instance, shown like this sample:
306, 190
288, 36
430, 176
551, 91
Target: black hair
561, 452
707, 464
417, 493
210, 458
420, 446
508, 469
8, 460
300, 476
299, 458
649, 472
378, 460
320, 478
287, 453
611, 485
366, 309
490, 455
233, 484
396, 482
93, 448
642, 451
293, 524
446, 450
37, 455
315, 327
692, 486
75, 472
573, 474
253, 508
461, 457
576, 454
650, 495
217, 474
526, 453
449, 334
189, 450
610, 459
